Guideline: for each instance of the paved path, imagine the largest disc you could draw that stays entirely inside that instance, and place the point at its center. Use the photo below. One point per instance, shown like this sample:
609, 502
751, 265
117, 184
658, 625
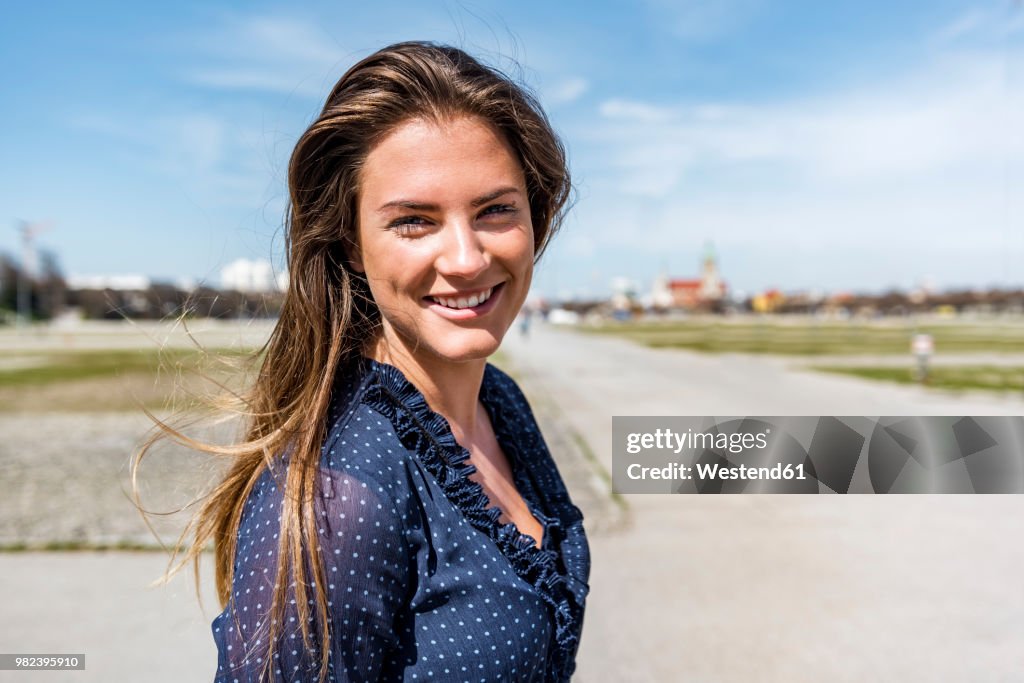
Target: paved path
100, 605
783, 588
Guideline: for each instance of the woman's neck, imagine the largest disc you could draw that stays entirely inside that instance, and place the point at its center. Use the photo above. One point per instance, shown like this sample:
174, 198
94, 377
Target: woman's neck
451, 388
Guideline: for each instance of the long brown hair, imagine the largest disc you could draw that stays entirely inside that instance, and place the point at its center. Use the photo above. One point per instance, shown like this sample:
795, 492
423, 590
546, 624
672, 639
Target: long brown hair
328, 313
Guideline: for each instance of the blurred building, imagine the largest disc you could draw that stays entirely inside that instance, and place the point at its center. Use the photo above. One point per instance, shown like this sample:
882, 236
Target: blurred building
250, 291
250, 276
114, 282
706, 292
109, 296
624, 295
769, 301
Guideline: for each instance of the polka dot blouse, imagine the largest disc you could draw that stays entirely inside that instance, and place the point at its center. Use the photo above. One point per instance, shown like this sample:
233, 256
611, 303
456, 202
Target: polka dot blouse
424, 583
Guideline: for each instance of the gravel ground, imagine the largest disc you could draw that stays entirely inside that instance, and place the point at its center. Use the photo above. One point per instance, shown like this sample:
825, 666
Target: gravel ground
64, 479
64, 475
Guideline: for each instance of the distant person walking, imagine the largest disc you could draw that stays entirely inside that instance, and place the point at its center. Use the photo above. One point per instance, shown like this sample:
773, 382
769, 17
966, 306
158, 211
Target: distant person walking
525, 317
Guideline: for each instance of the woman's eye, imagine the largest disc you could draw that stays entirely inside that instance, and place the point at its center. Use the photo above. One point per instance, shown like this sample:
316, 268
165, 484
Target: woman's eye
498, 209
408, 225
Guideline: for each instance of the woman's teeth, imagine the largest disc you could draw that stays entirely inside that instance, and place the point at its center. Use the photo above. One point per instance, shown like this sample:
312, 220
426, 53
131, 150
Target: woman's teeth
464, 302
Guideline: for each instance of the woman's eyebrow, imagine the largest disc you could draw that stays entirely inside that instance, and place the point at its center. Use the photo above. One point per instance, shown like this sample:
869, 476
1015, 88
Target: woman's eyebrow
407, 204
491, 196
426, 206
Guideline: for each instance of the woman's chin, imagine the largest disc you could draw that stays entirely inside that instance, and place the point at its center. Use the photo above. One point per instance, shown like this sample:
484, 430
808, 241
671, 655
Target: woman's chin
440, 343
468, 348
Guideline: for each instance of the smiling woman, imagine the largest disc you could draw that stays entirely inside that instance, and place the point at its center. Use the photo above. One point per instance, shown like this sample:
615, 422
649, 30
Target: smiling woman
394, 513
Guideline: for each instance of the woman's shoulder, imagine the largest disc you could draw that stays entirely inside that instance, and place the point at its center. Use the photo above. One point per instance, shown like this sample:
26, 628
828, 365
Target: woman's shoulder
360, 449
366, 446
360, 453
365, 479
360, 435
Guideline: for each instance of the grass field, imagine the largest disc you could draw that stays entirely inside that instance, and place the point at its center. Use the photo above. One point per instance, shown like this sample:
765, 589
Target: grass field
104, 378
123, 379
955, 378
807, 338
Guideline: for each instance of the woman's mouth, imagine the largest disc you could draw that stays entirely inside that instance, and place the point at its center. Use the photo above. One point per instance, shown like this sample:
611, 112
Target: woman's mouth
464, 302
467, 306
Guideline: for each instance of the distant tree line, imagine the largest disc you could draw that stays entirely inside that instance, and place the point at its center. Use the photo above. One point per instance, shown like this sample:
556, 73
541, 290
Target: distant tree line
163, 300
47, 295
43, 296
892, 303
896, 303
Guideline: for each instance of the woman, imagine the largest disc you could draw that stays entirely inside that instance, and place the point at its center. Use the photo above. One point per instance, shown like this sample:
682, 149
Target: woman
394, 513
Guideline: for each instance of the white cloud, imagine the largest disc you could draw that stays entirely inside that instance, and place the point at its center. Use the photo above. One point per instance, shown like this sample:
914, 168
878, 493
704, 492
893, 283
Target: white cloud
254, 79
200, 141
636, 112
794, 220
987, 24
265, 53
925, 165
280, 39
699, 20
566, 91
957, 117
205, 154
962, 25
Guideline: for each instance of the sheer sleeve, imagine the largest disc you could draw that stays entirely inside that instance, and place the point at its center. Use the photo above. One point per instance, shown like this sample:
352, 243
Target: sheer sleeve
361, 529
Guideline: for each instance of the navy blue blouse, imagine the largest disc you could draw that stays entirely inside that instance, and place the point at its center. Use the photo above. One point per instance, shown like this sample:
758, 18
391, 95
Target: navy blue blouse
424, 582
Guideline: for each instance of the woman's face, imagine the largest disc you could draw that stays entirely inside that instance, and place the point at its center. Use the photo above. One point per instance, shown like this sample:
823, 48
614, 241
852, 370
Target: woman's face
445, 237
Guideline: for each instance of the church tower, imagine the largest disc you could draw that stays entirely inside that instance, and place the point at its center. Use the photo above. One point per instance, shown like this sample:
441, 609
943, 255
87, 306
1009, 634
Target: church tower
711, 285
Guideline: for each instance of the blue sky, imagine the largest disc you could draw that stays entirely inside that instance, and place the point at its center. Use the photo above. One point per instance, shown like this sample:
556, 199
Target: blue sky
821, 146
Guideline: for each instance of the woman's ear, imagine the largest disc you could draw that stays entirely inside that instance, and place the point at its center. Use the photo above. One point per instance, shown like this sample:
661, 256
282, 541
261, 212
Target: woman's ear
353, 255
355, 259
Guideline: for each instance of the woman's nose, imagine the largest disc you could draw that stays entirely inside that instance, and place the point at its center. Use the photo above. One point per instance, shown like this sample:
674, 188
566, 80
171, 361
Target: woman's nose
462, 253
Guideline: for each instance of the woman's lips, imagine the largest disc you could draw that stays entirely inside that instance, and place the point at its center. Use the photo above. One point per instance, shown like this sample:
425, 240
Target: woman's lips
468, 312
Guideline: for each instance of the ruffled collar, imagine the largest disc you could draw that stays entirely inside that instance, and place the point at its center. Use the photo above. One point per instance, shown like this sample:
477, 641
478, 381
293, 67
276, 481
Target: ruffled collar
429, 436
